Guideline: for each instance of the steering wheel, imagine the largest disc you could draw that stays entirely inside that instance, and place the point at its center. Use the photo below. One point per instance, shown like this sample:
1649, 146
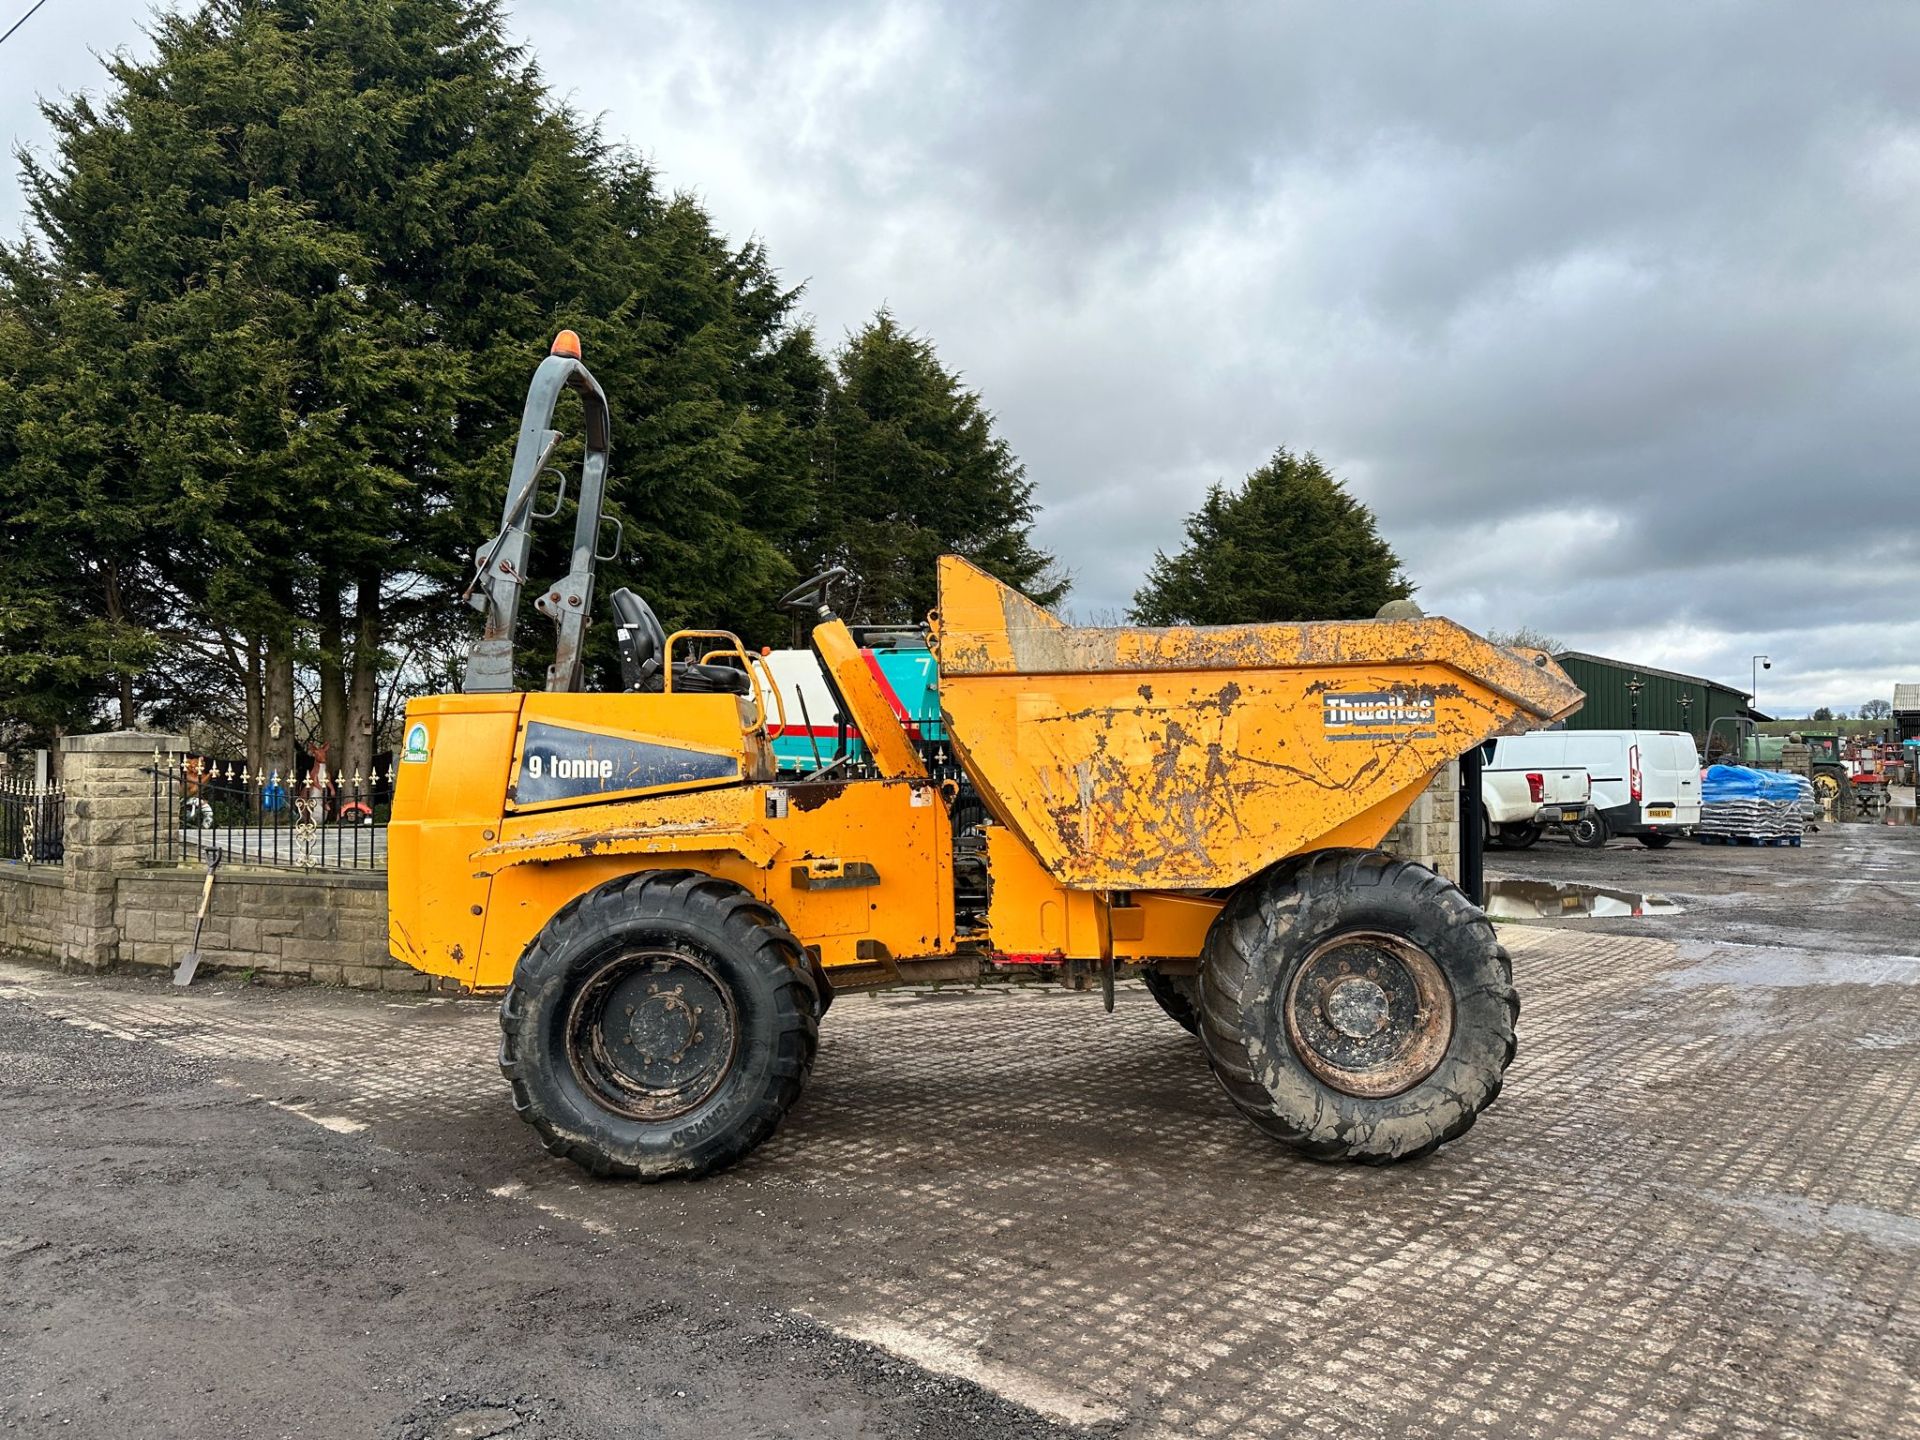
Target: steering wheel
812, 593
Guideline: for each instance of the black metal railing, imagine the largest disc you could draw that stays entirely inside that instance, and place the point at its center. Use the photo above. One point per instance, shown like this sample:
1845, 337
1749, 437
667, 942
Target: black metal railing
33, 823
317, 821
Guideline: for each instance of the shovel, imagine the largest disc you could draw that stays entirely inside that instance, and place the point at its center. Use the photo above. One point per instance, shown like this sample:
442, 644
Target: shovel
190, 961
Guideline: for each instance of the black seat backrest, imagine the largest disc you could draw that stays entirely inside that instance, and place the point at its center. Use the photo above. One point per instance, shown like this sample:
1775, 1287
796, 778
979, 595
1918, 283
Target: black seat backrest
641, 641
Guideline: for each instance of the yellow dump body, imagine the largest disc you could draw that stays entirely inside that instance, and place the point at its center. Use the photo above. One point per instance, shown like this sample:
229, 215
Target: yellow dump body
1190, 758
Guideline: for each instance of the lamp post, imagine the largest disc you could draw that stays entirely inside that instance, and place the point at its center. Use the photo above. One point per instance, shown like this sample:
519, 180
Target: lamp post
1753, 695
1634, 687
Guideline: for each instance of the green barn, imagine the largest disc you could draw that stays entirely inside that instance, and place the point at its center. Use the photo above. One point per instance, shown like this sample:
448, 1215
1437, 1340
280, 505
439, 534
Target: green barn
1624, 696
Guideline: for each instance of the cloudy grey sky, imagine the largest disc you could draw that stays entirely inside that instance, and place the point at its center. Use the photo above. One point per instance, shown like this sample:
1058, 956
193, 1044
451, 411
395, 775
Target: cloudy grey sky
1611, 312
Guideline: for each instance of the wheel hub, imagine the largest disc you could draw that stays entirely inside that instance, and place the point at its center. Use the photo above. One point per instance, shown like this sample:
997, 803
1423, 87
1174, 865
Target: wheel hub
1356, 1008
653, 1034
1369, 1014
662, 1024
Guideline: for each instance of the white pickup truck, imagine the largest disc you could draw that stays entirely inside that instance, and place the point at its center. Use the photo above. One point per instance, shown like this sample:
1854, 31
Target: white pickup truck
1521, 803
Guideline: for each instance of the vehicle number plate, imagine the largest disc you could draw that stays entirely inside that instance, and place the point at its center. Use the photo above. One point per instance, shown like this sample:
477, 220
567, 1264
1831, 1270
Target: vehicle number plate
1660, 812
1569, 816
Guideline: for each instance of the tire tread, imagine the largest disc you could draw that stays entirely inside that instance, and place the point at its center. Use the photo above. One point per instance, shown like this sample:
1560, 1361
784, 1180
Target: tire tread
753, 929
1239, 964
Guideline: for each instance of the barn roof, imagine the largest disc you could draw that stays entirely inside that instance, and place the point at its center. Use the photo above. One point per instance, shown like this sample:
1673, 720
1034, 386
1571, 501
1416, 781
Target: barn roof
1655, 670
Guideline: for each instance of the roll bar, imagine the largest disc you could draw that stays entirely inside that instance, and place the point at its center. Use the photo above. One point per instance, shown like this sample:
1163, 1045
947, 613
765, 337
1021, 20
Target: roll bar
500, 564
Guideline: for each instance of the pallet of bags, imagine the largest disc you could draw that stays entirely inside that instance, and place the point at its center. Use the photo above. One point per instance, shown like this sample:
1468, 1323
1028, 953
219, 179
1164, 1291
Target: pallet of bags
1742, 806
1807, 803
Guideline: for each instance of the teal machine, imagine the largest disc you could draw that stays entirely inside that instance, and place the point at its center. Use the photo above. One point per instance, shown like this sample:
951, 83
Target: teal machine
815, 733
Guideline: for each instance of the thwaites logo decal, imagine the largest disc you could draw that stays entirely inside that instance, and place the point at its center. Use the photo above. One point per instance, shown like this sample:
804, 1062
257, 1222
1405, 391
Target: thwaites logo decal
563, 764
415, 752
1378, 715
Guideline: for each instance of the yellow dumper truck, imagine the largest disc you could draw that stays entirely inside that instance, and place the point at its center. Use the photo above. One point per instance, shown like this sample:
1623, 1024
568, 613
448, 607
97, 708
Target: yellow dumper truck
670, 917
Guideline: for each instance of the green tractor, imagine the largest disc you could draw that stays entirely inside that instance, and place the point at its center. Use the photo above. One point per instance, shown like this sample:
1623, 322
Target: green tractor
1827, 766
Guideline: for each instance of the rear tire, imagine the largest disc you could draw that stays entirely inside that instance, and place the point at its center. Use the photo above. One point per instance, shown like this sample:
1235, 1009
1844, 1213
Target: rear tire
1357, 1007
1519, 837
1590, 832
660, 1026
1179, 996
1656, 840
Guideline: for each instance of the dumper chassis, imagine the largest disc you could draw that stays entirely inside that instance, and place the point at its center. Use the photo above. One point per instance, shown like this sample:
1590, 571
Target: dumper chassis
670, 918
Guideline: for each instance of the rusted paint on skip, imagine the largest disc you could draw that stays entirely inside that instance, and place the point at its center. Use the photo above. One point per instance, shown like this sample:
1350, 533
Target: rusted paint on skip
1189, 777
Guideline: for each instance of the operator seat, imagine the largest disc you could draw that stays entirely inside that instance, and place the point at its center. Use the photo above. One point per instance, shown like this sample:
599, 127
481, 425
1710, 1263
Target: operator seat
642, 643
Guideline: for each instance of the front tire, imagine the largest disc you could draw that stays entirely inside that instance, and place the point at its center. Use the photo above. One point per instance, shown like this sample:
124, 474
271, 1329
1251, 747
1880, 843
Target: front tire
660, 1026
1357, 1007
1179, 996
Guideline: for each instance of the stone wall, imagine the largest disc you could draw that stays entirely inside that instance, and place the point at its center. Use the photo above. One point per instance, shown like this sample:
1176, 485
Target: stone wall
108, 904
109, 826
329, 928
284, 926
33, 906
1429, 832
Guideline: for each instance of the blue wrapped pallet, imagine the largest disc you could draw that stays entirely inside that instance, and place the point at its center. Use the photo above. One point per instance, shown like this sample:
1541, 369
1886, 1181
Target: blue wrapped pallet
1753, 807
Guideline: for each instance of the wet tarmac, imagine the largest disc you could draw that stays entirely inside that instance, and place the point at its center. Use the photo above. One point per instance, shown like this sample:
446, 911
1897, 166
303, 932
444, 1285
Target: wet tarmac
1847, 887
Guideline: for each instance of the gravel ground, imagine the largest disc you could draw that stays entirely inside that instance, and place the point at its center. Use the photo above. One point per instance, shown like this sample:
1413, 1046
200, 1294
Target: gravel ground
185, 1257
1695, 1211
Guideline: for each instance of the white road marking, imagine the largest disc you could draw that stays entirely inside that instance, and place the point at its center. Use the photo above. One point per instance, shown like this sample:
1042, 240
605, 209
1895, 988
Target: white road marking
1009, 1382
338, 1124
514, 1190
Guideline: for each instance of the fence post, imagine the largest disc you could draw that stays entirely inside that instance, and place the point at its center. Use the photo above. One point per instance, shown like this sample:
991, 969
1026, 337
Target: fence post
109, 827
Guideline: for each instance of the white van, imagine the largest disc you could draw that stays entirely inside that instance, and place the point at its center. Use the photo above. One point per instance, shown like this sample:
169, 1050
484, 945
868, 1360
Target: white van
1646, 783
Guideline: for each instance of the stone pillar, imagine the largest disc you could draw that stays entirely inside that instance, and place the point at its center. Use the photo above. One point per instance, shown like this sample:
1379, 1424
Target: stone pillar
1429, 832
109, 828
1796, 757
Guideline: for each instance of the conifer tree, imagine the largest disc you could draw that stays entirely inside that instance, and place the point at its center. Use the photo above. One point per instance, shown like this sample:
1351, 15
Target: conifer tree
261, 370
913, 470
1287, 544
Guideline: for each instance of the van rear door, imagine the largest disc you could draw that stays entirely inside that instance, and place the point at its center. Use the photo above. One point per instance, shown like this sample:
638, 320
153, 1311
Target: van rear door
1669, 771
1652, 756
1685, 760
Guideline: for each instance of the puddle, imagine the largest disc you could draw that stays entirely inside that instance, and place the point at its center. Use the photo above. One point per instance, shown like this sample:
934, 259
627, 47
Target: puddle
1904, 815
1548, 900
1744, 966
